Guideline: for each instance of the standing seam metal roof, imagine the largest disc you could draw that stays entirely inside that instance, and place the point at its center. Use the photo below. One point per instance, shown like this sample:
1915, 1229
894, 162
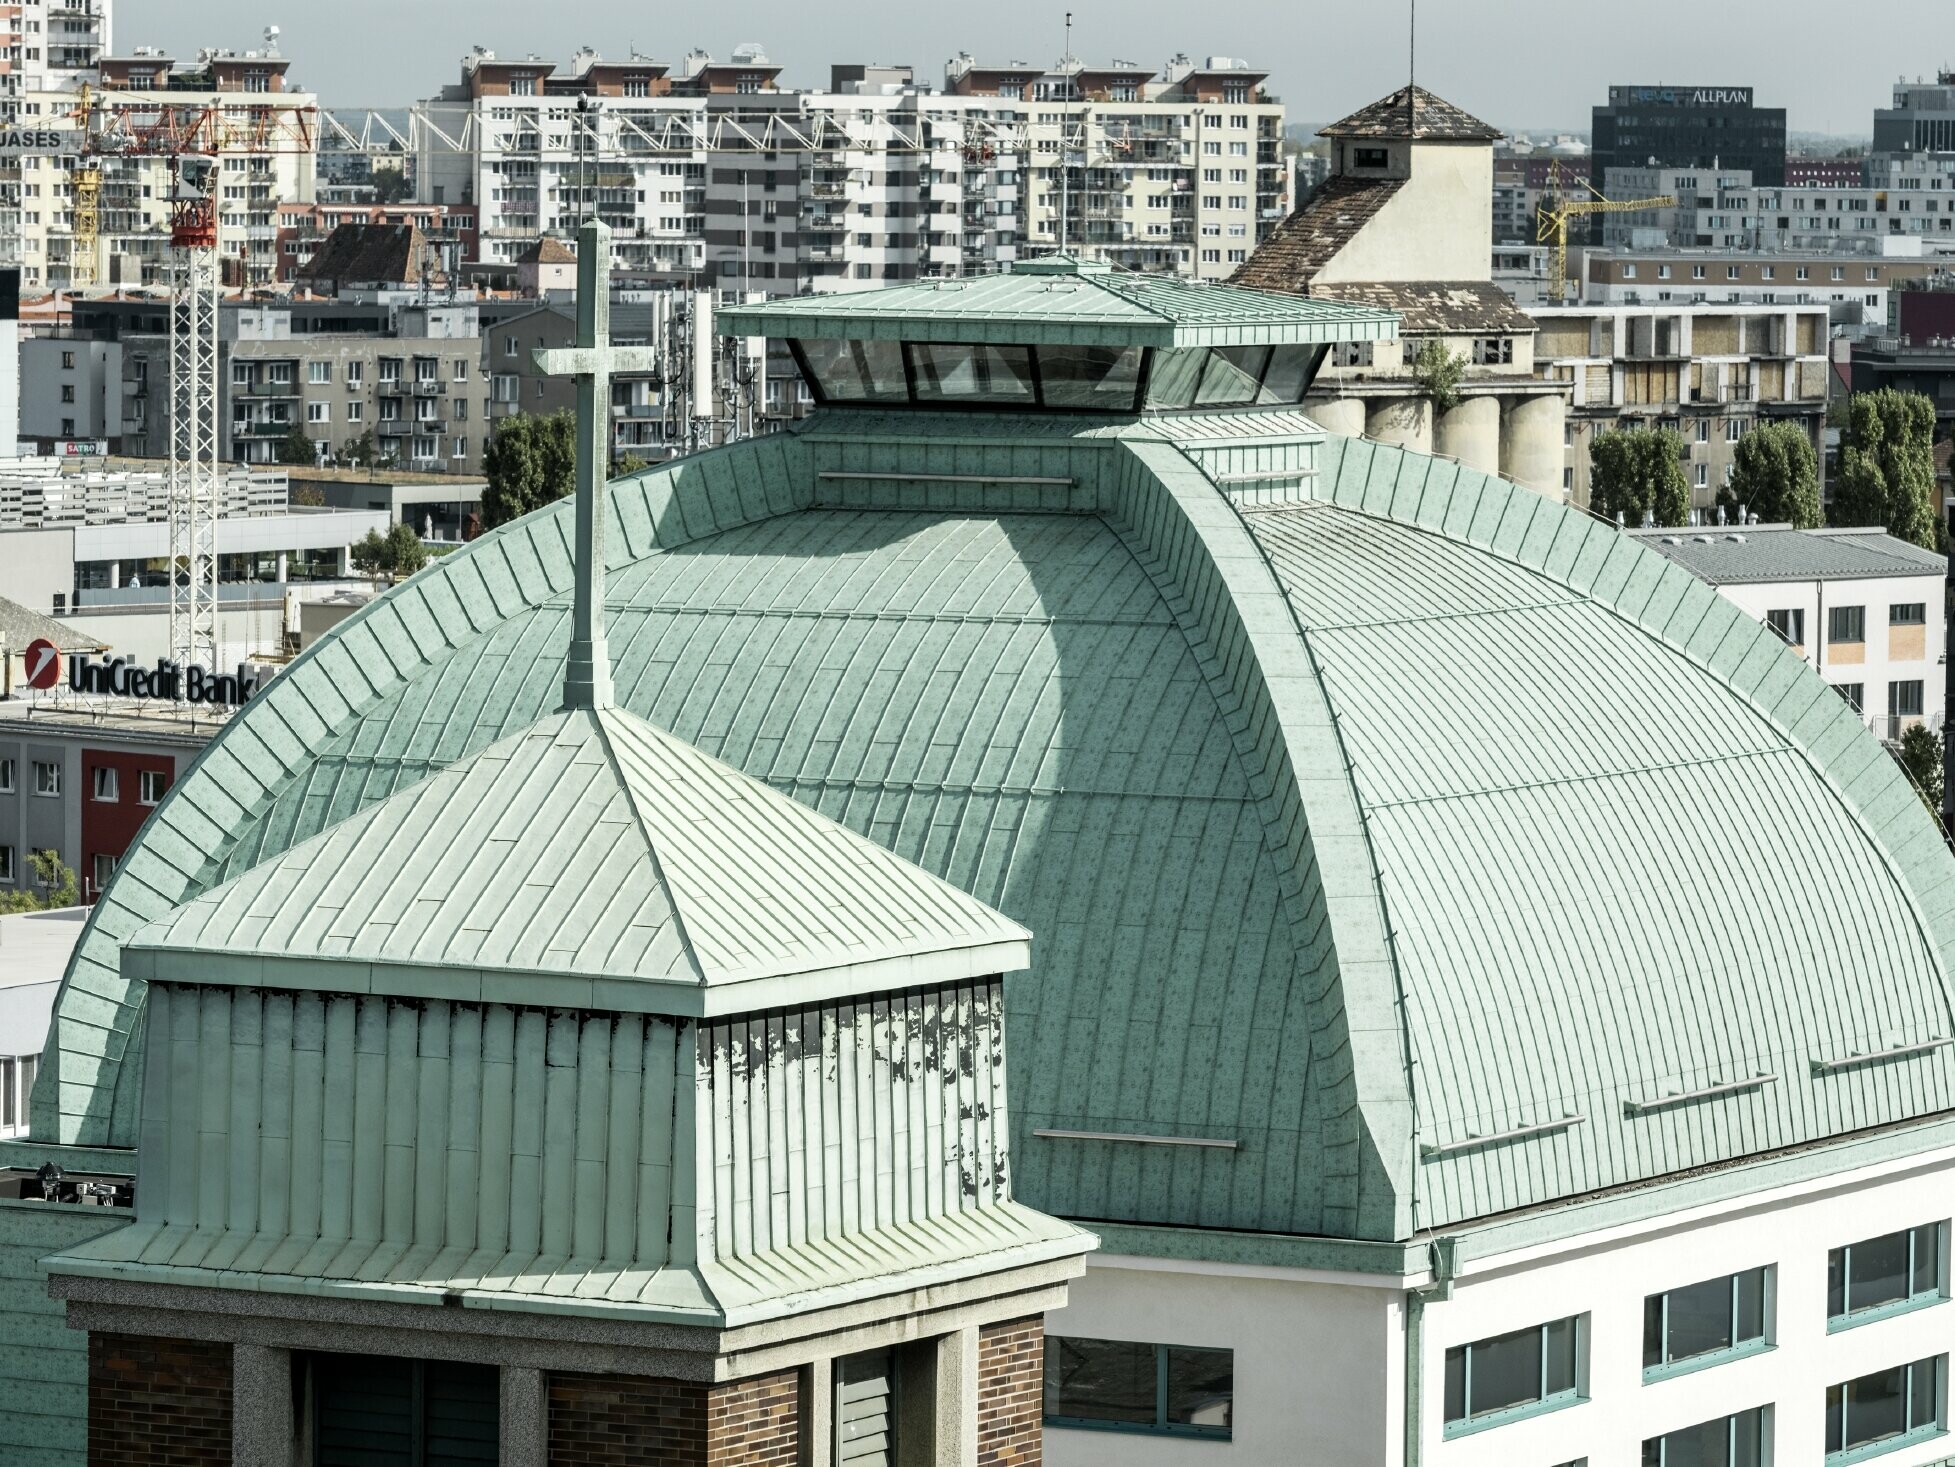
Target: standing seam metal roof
1290, 795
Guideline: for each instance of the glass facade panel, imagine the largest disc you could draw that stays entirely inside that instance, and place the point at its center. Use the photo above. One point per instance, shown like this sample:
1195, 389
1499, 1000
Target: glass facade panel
1290, 371
1232, 377
1700, 1319
1729, 1441
1089, 377
857, 371
957, 372
1896, 1268
1100, 1380
1200, 1387
1515, 1370
1174, 377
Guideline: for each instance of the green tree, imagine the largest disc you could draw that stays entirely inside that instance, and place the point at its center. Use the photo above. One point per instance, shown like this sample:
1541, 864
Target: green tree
1437, 373
399, 552
360, 449
628, 463
1775, 475
1636, 472
390, 185
1887, 467
405, 552
51, 876
1920, 756
296, 448
531, 462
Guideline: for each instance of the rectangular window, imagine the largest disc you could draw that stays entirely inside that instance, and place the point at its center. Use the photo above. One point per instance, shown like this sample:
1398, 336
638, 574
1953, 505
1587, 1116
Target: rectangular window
319, 374
104, 869
107, 786
1895, 1271
1498, 1379
1789, 624
1703, 1322
7, 867
47, 778
1730, 1441
1118, 1385
1846, 624
1904, 698
1908, 614
356, 373
7, 768
974, 373
356, 412
1855, 695
151, 785
417, 1413
1888, 1409
318, 412
1370, 158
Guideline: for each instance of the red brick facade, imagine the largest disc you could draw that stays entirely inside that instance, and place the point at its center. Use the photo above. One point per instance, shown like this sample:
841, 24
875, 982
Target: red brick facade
755, 1422
158, 1402
1011, 1393
615, 1420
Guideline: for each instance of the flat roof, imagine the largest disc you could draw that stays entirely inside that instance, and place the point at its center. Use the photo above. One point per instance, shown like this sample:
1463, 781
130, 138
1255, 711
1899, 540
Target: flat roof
1734, 555
1060, 301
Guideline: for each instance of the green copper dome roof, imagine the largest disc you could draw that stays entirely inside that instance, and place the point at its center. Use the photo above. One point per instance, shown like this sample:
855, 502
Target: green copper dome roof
1443, 849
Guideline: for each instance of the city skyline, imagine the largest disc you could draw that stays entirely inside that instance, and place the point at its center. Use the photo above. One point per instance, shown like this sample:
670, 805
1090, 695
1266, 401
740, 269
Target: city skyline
1324, 60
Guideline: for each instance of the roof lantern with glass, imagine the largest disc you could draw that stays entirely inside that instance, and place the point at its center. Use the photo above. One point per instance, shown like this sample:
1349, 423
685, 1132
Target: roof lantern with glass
1060, 335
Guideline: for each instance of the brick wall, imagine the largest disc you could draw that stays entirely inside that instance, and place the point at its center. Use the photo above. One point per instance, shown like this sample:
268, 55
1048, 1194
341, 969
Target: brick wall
614, 1420
755, 1422
158, 1402
1011, 1393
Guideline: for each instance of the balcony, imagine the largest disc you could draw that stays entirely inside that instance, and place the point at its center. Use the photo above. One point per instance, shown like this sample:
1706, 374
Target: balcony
395, 427
262, 428
265, 389
429, 425
828, 190
430, 387
826, 224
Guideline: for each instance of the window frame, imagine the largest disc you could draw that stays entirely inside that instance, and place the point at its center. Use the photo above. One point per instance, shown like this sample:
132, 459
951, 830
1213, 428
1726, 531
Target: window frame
47, 789
1738, 1349
1833, 613
1916, 613
1795, 619
1162, 1426
9, 777
1575, 1395
146, 779
1909, 1436
1851, 1318
1762, 1412
105, 785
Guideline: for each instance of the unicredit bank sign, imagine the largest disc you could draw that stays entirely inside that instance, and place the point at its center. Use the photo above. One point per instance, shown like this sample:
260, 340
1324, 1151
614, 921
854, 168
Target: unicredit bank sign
167, 680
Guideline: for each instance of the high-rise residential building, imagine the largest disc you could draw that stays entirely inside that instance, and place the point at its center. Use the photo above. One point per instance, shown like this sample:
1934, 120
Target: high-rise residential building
1689, 127
716, 168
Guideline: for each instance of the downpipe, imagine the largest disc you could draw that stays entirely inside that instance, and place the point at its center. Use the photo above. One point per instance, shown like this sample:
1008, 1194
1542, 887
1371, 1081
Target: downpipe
1442, 1262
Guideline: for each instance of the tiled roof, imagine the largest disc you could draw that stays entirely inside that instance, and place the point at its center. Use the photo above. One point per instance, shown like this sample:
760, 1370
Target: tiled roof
1448, 307
19, 626
360, 253
1728, 555
1305, 242
1060, 300
548, 251
1419, 116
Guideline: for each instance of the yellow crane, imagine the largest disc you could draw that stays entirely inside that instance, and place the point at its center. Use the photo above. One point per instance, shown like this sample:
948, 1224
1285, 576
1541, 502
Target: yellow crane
1557, 209
86, 185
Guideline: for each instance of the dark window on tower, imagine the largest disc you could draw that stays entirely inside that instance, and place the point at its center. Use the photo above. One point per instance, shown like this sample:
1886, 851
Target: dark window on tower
380, 1411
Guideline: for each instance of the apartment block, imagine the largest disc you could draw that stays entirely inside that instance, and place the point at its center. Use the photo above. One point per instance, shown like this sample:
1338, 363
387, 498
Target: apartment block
715, 168
1712, 373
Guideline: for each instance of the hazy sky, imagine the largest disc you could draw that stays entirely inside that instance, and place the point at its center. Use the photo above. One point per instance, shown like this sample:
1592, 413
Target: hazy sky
1517, 63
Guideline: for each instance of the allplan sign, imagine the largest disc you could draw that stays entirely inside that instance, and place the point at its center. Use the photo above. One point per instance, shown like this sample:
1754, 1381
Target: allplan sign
166, 680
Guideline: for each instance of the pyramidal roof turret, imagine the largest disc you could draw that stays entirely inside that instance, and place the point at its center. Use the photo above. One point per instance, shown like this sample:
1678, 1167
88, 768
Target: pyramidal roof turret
1413, 113
591, 860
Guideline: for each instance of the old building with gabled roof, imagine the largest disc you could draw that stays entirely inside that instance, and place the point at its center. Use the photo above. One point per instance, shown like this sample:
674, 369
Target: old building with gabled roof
1404, 222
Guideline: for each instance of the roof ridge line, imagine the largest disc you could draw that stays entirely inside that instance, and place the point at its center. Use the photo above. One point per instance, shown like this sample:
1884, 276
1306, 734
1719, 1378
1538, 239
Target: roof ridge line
1594, 778
597, 717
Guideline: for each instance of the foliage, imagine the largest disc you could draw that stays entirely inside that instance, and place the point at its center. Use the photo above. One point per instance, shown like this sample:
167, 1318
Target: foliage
296, 448
531, 462
1775, 475
1920, 756
390, 185
361, 450
397, 553
1437, 373
1636, 472
52, 876
628, 463
1887, 467
309, 496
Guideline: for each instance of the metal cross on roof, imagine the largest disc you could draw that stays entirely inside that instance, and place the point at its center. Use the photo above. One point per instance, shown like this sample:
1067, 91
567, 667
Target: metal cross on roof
587, 673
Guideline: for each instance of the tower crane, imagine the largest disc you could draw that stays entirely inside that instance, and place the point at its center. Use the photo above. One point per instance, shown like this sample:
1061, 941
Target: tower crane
1557, 210
191, 138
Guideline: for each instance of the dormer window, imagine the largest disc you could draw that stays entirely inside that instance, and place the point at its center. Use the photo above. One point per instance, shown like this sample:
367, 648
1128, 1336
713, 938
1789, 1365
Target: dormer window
1371, 158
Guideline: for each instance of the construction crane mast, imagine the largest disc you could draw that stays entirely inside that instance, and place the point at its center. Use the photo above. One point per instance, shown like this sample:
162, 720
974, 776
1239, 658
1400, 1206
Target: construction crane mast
192, 140
1557, 211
